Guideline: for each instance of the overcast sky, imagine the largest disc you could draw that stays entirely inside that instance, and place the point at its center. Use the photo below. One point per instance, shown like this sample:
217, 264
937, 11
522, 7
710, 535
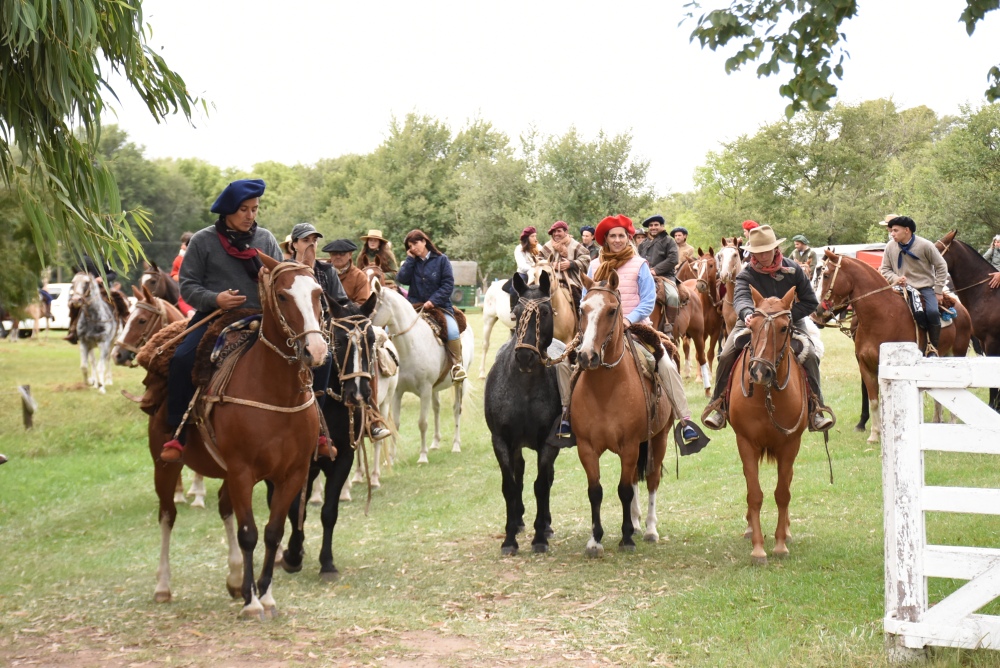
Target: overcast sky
301, 80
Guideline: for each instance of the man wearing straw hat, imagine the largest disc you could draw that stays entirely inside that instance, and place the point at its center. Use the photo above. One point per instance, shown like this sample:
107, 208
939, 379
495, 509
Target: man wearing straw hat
378, 251
772, 275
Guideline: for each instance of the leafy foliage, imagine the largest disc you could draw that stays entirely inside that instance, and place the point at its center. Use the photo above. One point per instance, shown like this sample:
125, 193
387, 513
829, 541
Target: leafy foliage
802, 34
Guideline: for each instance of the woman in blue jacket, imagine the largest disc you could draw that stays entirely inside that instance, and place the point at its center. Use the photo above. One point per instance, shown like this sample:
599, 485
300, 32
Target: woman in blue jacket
428, 273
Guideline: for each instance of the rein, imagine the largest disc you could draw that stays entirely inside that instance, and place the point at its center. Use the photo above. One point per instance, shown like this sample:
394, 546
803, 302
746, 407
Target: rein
614, 328
152, 327
829, 291
785, 348
531, 308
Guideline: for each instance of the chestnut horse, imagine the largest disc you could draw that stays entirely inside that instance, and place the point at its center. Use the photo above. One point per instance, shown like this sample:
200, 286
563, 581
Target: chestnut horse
265, 429
615, 408
160, 283
882, 316
708, 287
149, 315
768, 409
970, 274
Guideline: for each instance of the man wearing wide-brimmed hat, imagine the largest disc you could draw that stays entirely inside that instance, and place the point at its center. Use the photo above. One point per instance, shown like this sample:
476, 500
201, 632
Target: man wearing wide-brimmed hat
354, 280
772, 276
378, 251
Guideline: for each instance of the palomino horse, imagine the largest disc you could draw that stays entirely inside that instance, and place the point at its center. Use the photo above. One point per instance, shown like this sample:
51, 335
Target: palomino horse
423, 364
768, 409
96, 329
265, 429
970, 274
729, 262
496, 308
708, 287
882, 316
352, 342
149, 315
521, 404
564, 322
615, 408
160, 283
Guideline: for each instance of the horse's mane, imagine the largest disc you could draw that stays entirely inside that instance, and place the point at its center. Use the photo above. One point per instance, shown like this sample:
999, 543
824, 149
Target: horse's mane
865, 267
979, 259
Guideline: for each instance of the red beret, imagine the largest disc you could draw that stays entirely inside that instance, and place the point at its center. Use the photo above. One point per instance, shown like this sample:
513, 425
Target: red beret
558, 225
749, 225
610, 223
527, 232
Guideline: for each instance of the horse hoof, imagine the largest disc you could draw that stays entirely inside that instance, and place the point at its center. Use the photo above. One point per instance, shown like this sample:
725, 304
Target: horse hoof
549, 533
651, 537
179, 498
345, 495
435, 446
520, 528
539, 548
162, 597
759, 561
626, 547
199, 502
329, 576
291, 568
508, 550
779, 554
234, 592
859, 427
423, 459
595, 551
456, 448
376, 483
251, 613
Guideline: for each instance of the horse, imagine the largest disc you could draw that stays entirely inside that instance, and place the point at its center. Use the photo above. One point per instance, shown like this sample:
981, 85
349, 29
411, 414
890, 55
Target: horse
689, 327
96, 329
353, 340
496, 308
149, 315
160, 283
521, 405
882, 316
615, 408
708, 287
685, 270
265, 428
564, 323
970, 274
423, 364
37, 311
768, 411
729, 261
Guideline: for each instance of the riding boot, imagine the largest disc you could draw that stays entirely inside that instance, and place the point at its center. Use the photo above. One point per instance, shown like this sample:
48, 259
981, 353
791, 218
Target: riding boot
455, 355
933, 339
822, 417
716, 418
173, 450
671, 313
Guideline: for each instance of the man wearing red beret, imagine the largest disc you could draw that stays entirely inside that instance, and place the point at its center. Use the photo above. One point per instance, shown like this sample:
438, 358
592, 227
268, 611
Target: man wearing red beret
568, 257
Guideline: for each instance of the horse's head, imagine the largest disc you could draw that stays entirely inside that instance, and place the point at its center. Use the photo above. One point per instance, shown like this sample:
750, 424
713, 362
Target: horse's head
533, 321
705, 269
290, 296
541, 267
600, 320
353, 341
148, 317
770, 335
728, 262
944, 244
835, 290
79, 289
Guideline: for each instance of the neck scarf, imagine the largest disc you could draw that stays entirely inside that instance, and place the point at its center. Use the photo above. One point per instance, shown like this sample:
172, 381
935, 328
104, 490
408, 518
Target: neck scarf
612, 261
561, 247
904, 249
237, 245
770, 269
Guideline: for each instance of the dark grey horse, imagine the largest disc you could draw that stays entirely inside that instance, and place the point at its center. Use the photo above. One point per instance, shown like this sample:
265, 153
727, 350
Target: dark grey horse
522, 404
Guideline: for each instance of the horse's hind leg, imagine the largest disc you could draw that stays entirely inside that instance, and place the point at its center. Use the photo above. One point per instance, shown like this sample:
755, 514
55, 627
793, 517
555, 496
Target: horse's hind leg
425, 403
197, 490
755, 499
234, 579
164, 478
488, 322
336, 475
179, 490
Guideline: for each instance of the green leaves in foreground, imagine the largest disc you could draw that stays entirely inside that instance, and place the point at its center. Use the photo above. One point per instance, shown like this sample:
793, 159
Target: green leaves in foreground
55, 57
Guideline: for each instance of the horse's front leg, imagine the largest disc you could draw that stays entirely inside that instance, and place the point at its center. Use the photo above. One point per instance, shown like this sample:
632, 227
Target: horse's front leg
456, 409
755, 499
336, 476
595, 493
291, 558
240, 493
436, 407
281, 501
507, 457
626, 495
84, 364
488, 322
543, 492
782, 497
164, 477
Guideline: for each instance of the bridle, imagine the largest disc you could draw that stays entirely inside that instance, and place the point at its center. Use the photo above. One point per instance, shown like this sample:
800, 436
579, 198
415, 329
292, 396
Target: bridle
269, 298
828, 295
947, 246
769, 332
153, 325
357, 328
531, 308
616, 317
702, 284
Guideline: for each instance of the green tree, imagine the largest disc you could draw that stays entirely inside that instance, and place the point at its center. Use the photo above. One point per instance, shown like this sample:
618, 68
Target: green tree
803, 34
55, 59
22, 267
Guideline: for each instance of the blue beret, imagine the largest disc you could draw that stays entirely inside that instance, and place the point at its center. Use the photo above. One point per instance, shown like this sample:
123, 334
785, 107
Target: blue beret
236, 193
587, 228
679, 229
340, 246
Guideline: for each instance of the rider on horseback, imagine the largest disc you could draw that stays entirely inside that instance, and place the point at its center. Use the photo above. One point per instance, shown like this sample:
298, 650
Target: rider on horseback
568, 257
660, 251
772, 275
915, 261
219, 271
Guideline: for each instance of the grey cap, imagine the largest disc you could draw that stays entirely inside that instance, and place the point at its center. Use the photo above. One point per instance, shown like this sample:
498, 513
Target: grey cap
340, 246
304, 230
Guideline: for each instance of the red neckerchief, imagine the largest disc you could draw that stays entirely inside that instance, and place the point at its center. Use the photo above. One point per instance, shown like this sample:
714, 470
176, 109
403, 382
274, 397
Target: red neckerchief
771, 269
230, 249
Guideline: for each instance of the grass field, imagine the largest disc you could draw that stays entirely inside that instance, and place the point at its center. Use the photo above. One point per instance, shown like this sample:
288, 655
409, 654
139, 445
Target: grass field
422, 580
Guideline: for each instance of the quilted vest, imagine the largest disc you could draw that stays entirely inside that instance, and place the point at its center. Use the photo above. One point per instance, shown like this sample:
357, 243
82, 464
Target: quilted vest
628, 285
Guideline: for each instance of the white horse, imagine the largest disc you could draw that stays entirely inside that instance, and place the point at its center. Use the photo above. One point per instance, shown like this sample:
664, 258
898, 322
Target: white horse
96, 329
496, 307
424, 369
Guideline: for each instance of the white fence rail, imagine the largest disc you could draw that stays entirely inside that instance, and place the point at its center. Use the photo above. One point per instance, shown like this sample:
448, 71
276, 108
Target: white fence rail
903, 376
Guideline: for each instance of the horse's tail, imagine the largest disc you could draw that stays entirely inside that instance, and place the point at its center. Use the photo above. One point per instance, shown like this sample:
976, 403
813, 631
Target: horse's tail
643, 461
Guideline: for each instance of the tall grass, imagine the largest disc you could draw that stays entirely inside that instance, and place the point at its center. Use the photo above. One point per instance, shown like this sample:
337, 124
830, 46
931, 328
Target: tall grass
423, 582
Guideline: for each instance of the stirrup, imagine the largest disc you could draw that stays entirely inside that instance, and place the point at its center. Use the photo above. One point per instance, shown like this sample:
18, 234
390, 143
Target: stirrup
713, 409
458, 374
930, 351
822, 419
172, 452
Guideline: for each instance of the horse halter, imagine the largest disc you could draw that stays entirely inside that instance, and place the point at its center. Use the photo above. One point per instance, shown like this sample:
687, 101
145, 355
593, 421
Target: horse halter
616, 321
153, 325
269, 297
531, 308
357, 328
769, 328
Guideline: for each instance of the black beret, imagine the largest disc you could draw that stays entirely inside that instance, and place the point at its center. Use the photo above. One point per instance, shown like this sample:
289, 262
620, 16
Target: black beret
340, 246
236, 193
587, 228
903, 221
657, 219
679, 229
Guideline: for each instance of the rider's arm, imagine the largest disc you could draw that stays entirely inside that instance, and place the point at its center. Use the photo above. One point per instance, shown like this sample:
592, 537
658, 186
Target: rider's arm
647, 295
805, 297
405, 273
939, 267
446, 284
521, 258
580, 260
886, 268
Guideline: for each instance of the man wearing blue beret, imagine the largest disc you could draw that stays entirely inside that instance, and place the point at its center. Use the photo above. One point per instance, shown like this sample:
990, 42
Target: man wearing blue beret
587, 239
219, 272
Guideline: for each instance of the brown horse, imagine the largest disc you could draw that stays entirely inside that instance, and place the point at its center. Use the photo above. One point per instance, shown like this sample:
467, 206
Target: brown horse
160, 283
768, 409
970, 274
149, 315
729, 261
689, 328
685, 271
882, 316
708, 287
263, 431
615, 408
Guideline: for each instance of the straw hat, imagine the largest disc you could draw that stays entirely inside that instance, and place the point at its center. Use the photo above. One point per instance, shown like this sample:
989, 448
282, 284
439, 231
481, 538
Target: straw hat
762, 239
374, 234
885, 221
286, 245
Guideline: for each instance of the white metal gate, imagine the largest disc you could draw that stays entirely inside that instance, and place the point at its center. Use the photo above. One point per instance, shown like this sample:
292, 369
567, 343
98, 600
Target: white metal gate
903, 375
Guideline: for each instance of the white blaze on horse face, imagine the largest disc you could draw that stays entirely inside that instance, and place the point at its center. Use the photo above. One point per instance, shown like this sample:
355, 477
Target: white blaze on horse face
128, 324
591, 313
301, 292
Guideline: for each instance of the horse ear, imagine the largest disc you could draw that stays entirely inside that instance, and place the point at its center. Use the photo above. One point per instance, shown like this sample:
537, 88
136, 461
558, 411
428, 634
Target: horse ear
587, 281
376, 286
152, 264
135, 291
757, 297
613, 281
517, 283
147, 294
269, 262
789, 298
711, 251
545, 283
145, 265
700, 251
309, 256
369, 306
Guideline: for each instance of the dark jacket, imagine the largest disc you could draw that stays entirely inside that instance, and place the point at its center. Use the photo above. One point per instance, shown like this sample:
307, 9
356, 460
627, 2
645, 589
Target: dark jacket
790, 275
661, 254
328, 279
430, 280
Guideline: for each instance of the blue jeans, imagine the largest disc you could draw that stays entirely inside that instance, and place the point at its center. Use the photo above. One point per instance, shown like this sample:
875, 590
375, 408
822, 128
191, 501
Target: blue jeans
931, 306
180, 387
452, 326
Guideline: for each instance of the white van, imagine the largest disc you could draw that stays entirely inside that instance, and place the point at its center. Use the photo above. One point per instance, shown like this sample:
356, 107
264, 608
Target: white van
60, 309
